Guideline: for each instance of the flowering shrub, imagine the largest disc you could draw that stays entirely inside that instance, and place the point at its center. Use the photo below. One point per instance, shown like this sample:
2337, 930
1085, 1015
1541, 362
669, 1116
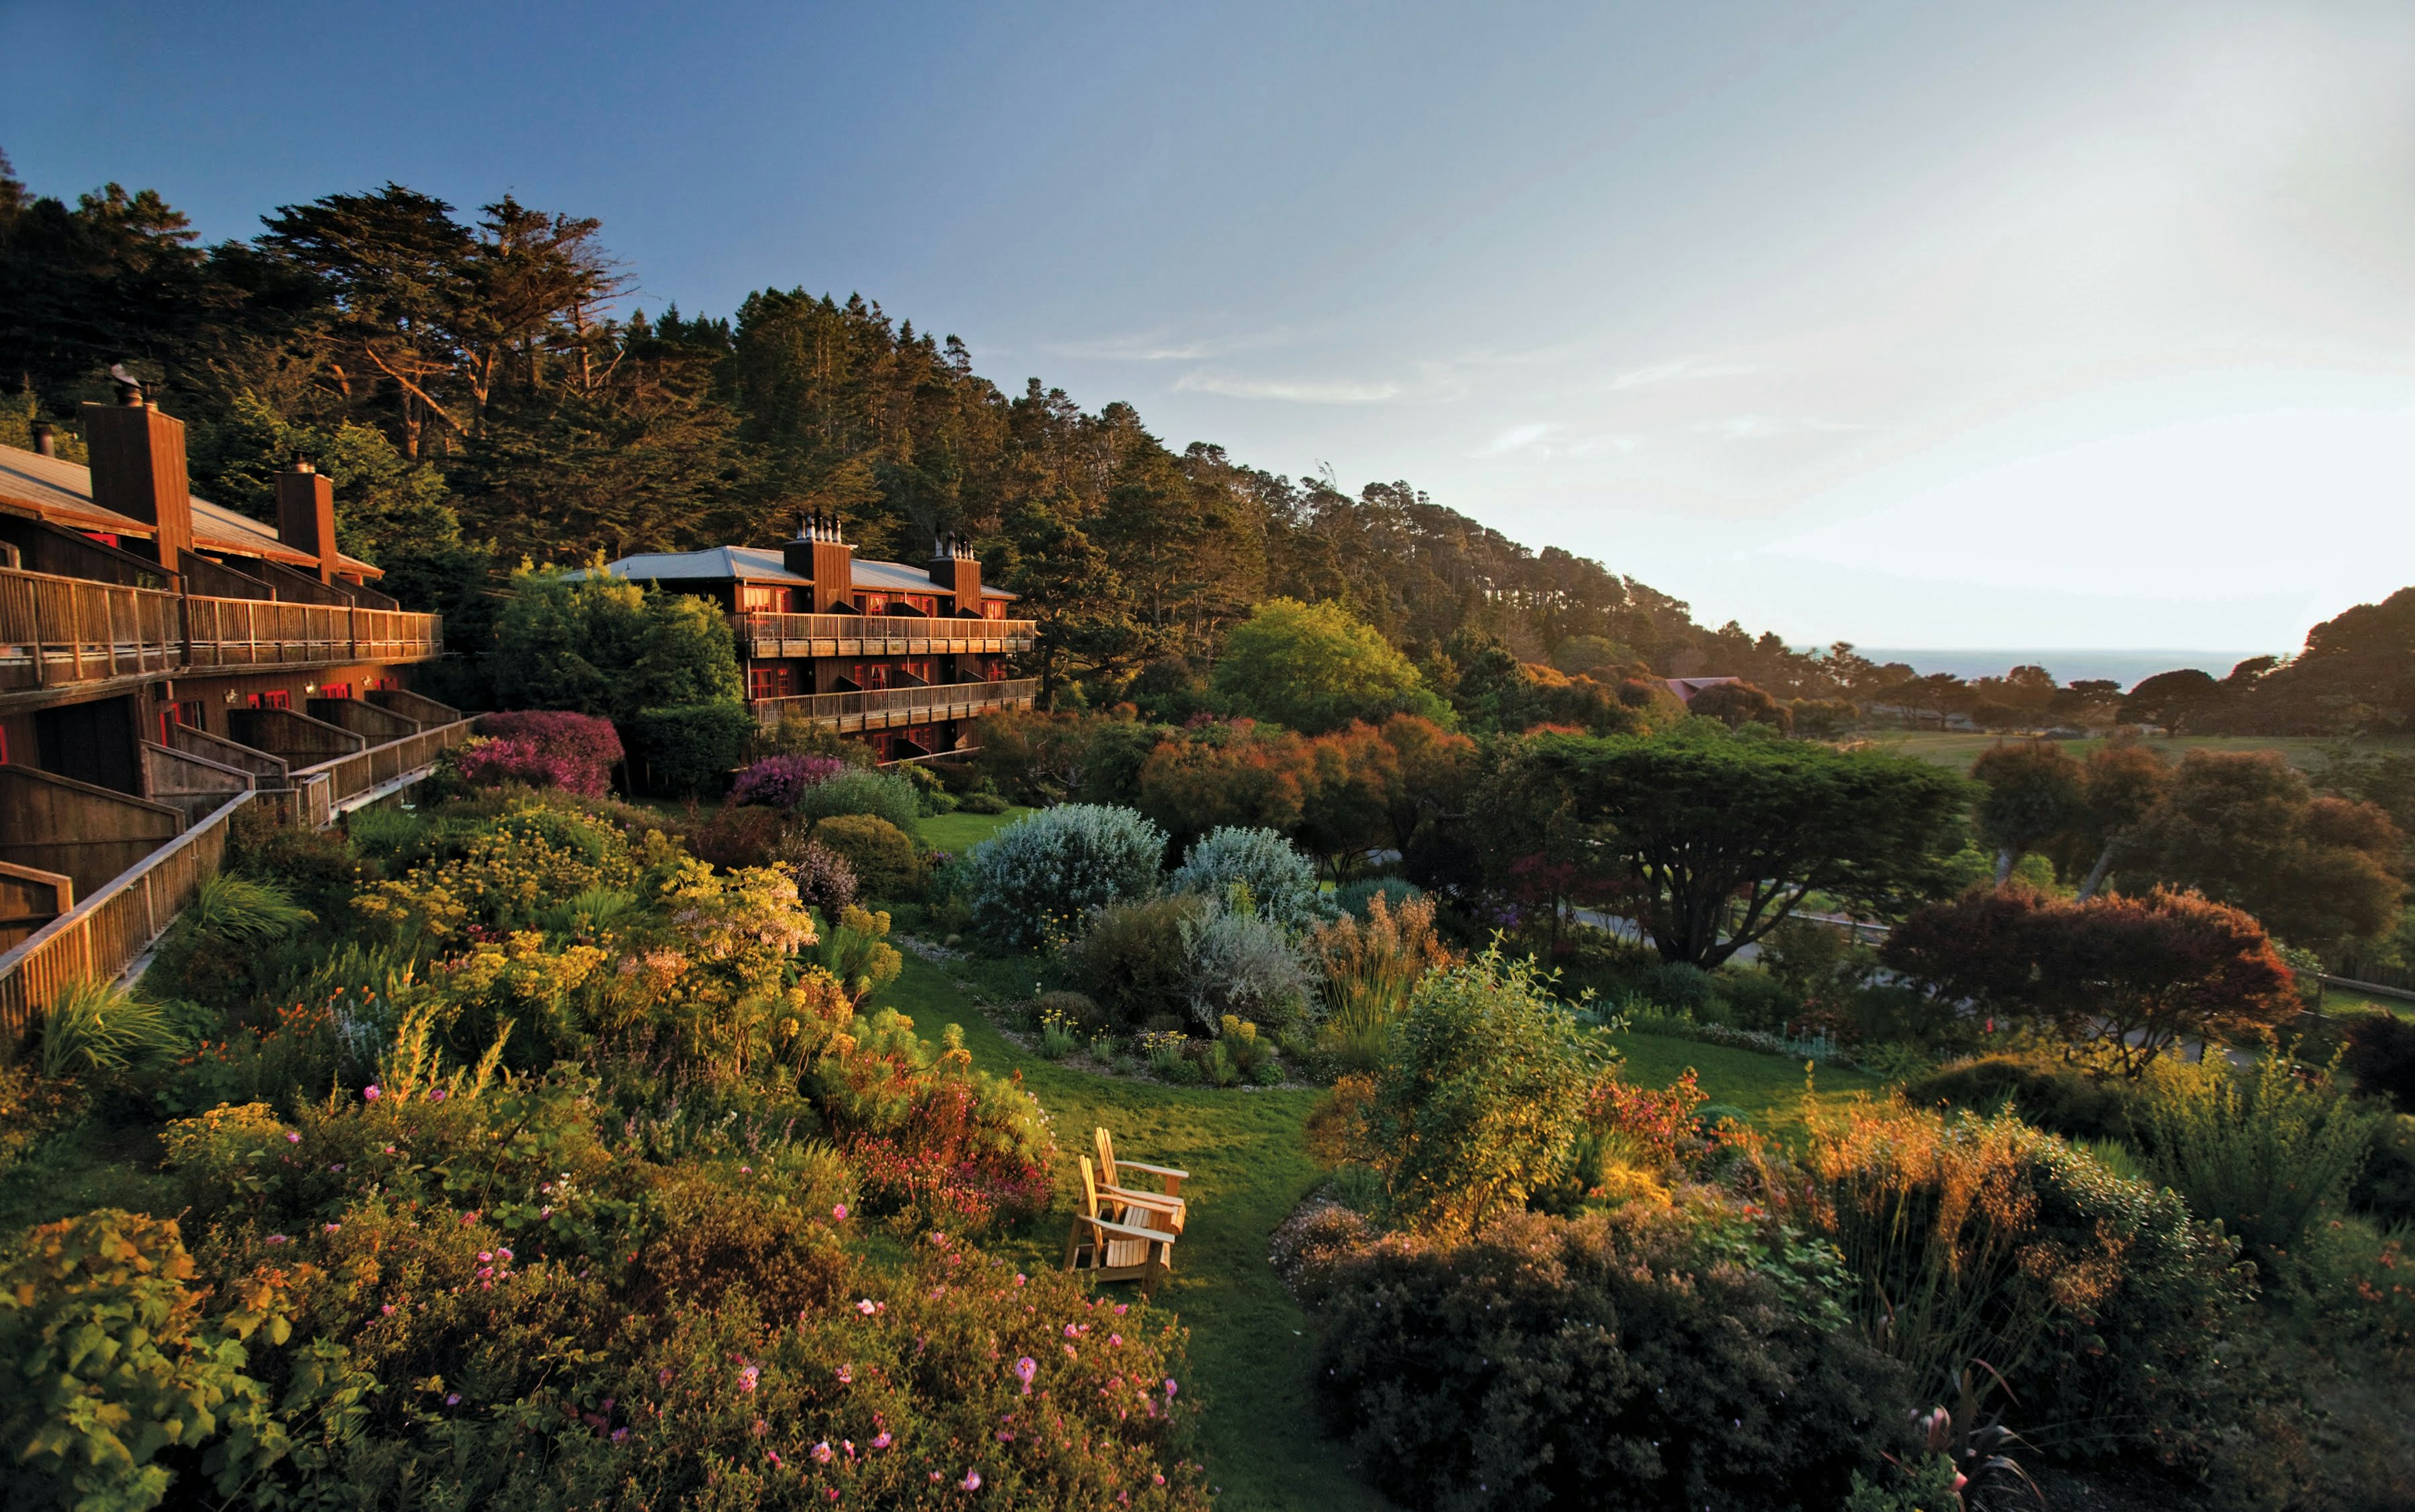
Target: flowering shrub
2099, 1299
779, 781
1281, 882
506, 874
1644, 1357
1054, 867
824, 879
547, 748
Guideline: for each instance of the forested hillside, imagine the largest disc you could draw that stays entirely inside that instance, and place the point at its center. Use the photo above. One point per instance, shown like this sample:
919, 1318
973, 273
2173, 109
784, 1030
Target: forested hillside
471, 384
468, 379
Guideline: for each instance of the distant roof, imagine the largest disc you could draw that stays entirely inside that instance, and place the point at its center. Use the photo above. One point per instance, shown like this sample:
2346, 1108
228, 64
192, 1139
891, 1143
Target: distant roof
761, 564
61, 492
1685, 687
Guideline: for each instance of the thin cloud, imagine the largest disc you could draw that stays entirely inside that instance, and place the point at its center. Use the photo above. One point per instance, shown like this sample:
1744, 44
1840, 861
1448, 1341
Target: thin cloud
1288, 390
1771, 427
1162, 346
1517, 437
1672, 372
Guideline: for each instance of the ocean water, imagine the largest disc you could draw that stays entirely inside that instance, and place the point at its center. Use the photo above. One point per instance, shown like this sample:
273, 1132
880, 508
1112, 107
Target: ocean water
2126, 667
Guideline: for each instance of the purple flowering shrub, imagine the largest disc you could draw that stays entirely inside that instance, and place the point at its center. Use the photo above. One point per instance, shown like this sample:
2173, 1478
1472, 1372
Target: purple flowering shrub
825, 880
548, 748
779, 781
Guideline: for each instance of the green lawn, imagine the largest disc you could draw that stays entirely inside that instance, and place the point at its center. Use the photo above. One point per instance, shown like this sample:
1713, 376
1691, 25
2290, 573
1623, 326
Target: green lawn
958, 832
1958, 749
1248, 1168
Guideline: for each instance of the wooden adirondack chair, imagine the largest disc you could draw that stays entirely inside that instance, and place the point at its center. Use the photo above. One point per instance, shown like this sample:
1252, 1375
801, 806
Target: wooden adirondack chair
1111, 1178
1108, 1247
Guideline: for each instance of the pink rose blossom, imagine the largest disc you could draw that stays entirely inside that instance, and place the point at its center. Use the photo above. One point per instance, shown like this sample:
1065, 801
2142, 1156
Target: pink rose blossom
1024, 1368
971, 1481
884, 1440
839, 1212
293, 1139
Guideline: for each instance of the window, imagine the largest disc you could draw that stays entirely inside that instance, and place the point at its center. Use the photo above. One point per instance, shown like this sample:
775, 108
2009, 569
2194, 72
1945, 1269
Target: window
273, 699
923, 603
993, 608
187, 713
923, 668
335, 690
767, 598
874, 603
772, 680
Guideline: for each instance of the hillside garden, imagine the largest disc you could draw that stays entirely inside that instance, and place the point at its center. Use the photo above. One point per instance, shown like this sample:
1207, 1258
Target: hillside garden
528, 1145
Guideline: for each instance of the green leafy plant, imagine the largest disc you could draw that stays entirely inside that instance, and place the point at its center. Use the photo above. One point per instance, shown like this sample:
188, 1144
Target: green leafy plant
1048, 871
2269, 1151
93, 1026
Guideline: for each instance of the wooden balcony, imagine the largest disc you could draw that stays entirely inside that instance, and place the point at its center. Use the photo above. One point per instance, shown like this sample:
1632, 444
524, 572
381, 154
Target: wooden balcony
63, 636
877, 709
769, 636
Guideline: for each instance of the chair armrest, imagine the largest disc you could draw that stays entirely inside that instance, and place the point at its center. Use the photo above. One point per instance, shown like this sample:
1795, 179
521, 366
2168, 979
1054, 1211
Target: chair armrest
1157, 1199
1127, 1231
1154, 1170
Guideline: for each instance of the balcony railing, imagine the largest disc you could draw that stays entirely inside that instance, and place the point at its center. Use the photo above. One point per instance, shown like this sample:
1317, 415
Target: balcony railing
101, 936
57, 631
768, 636
888, 708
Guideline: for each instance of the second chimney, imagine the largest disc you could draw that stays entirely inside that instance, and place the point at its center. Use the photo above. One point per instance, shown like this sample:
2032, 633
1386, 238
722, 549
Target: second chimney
306, 516
138, 469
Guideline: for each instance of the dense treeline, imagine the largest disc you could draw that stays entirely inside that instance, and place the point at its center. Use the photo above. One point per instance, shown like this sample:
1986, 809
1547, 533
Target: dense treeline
468, 380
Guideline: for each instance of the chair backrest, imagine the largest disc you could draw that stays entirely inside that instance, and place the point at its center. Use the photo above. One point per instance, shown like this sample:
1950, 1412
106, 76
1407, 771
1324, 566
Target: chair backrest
1106, 1143
1089, 1189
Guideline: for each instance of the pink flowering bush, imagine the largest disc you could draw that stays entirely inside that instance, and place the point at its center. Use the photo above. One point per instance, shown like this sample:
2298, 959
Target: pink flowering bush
550, 748
779, 781
492, 763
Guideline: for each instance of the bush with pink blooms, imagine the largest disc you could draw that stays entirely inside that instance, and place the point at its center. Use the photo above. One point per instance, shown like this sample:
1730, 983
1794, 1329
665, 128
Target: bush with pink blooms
545, 748
779, 781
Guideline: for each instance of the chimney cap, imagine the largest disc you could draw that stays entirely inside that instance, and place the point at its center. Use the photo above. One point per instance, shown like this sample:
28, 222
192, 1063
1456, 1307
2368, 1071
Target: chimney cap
130, 388
303, 463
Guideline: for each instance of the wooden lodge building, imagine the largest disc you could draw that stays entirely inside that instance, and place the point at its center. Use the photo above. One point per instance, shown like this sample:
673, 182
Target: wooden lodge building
903, 658
163, 661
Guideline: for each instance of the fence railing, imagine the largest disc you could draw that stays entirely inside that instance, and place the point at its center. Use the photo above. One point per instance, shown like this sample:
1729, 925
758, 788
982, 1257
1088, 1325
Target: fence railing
55, 631
99, 937
59, 630
102, 935
884, 708
879, 635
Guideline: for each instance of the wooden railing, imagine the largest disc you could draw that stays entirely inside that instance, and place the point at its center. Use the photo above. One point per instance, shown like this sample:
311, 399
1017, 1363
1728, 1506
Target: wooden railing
99, 937
349, 776
762, 636
885, 707
55, 631
60, 629
102, 935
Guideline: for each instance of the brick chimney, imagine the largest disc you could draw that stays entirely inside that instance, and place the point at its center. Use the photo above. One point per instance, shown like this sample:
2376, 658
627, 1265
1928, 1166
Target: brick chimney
820, 552
957, 572
306, 515
138, 469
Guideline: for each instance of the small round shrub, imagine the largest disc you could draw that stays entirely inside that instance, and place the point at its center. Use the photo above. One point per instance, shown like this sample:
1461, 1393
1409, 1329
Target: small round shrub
984, 803
1132, 958
1245, 965
1074, 1009
858, 791
825, 880
2061, 1099
1040, 876
1281, 881
1680, 984
1352, 897
876, 850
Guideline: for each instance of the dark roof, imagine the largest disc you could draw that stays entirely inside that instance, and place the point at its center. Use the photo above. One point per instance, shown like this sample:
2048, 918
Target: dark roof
61, 492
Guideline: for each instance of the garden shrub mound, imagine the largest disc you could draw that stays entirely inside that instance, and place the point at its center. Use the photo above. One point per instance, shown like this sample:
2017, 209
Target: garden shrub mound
1280, 882
858, 791
1035, 881
1134, 962
2063, 1098
1619, 1359
544, 748
878, 853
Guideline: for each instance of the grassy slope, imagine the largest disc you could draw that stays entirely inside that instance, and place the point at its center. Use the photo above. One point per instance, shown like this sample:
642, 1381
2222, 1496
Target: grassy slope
1958, 749
1249, 1343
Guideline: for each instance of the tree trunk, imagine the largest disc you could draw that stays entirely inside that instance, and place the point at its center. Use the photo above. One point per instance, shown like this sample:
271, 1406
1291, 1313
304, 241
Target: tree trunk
2096, 874
2003, 863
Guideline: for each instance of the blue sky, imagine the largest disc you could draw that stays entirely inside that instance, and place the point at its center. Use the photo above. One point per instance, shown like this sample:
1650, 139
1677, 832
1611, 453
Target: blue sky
1919, 325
